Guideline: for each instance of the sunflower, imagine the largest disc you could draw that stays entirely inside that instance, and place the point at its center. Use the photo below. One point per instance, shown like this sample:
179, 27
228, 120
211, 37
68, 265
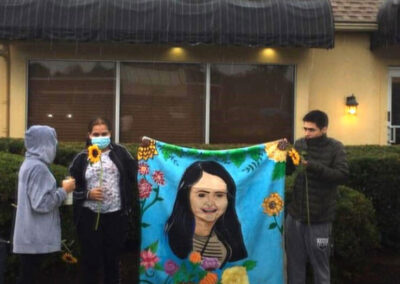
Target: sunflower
273, 204
274, 152
295, 156
69, 258
94, 154
146, 152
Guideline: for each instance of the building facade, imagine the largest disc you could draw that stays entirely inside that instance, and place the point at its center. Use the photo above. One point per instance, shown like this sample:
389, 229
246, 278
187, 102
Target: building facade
207, 92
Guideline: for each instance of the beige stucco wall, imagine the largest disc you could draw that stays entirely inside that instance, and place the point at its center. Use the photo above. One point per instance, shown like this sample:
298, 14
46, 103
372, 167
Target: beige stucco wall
323, 77
351, 68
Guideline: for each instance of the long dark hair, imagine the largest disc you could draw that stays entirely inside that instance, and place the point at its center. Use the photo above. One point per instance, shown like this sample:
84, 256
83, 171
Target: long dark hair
180, 225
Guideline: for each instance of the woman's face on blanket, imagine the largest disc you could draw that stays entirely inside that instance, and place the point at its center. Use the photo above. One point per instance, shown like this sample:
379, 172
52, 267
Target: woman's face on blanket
208, 198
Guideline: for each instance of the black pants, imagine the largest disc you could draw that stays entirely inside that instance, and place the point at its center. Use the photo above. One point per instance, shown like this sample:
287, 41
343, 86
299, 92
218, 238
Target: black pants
29, 267
101, 249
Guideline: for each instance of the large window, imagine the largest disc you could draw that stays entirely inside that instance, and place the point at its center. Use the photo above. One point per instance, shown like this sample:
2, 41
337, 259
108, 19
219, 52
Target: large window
67, 95
251, 103
163, 101
173, 102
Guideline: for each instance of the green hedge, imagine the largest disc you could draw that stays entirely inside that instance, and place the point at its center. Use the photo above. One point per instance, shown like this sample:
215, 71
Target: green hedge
378, 177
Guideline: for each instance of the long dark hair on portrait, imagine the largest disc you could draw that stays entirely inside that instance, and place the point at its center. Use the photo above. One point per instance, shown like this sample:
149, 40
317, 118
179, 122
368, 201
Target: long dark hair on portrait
181, 225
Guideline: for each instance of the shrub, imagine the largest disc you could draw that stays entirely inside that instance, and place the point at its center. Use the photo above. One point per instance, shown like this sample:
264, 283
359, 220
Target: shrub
355, 231
377, 176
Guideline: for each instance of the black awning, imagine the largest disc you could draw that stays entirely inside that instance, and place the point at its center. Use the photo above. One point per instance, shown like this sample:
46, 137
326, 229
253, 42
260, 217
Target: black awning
388, 25
307, 23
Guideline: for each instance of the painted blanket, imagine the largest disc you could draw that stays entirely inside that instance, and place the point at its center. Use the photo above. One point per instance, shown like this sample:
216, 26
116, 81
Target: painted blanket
211, 216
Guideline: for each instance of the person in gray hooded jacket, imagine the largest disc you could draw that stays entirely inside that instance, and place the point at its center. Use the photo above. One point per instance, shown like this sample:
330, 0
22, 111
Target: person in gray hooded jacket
37, 230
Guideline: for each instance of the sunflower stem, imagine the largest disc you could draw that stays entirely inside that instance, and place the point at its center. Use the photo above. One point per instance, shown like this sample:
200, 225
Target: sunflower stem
279, 227
99, 202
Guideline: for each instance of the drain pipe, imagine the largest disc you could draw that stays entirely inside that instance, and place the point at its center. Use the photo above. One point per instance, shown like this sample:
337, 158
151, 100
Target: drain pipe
5, 53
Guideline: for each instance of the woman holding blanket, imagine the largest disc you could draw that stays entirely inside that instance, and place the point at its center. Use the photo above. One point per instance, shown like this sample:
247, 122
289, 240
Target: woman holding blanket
105, 191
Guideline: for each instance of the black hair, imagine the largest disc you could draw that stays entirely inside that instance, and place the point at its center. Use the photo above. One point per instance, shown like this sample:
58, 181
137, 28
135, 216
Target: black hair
180, 225
97, 121
318, 117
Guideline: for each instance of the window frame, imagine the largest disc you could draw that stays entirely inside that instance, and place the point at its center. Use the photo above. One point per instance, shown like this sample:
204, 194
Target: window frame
207, 66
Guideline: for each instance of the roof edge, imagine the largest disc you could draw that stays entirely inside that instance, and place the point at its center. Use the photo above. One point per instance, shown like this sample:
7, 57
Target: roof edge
356, 27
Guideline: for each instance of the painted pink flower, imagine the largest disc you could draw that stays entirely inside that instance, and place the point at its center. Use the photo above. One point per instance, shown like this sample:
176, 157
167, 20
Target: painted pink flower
143, 168
148, 259
170, 267
210, 263
144, 188
158, 177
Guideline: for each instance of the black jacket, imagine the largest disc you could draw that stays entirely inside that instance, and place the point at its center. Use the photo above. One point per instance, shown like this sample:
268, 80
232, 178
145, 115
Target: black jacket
327, 168
127, 167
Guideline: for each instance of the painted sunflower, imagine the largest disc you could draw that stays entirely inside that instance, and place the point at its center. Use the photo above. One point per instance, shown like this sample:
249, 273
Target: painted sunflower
295, 156
94, 154
273, 204
69, 258
274, 152
148, 151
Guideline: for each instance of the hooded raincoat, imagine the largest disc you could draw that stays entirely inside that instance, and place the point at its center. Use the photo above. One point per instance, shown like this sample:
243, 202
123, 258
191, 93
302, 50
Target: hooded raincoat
37, 225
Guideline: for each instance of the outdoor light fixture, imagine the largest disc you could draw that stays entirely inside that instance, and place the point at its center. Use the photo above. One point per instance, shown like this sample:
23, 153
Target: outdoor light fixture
351, 105
49, 115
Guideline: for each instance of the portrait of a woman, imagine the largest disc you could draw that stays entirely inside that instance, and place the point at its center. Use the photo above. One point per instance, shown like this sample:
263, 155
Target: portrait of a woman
203, 218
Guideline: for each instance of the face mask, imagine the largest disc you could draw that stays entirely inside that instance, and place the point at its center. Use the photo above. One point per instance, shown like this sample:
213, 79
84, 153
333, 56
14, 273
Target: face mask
102, 142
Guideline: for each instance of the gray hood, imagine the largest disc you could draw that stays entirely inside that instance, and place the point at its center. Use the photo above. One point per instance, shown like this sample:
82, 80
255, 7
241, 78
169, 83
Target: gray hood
41, 143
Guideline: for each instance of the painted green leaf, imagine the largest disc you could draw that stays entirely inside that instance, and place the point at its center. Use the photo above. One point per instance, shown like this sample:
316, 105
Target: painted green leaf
279, 171
166, 152
255, 153
142, 270
202, 274
158, 267
192, 152
249, 264
153, 247
238, 157
272, 225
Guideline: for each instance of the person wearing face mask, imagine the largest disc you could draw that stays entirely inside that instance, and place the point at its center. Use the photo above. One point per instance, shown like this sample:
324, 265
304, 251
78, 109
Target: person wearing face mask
113, 198
37, 230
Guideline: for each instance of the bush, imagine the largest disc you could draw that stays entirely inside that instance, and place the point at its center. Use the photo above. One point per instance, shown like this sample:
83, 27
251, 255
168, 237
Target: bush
354, 228
377, 176
12, 145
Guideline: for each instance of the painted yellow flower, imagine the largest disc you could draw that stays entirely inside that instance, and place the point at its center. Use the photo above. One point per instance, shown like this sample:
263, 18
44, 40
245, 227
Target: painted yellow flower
273, 204
94, 153
69, 258
274, 153
195, 257
146, 152
210, 278
235, 275
295, 156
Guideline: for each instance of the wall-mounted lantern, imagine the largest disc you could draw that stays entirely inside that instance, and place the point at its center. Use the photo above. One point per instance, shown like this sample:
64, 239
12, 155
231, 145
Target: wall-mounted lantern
351, 105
